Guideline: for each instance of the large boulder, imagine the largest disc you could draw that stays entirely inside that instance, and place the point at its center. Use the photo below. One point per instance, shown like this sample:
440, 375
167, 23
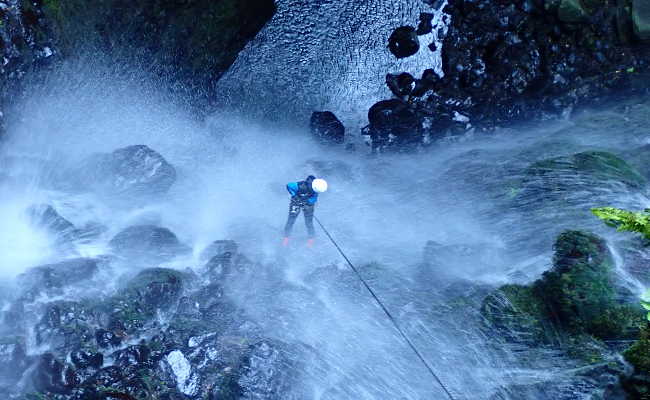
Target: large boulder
578, 295
580, 289
394, 123
133, 170
404, 42
147, 241
326, 128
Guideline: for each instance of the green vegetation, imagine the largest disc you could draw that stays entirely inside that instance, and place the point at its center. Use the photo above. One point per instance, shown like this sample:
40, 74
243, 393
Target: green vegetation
625, 221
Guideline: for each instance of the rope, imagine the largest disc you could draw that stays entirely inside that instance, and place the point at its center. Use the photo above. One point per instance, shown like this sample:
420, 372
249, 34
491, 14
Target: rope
388, 314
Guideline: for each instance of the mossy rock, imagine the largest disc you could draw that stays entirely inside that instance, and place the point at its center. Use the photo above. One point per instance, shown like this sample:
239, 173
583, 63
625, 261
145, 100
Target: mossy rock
579, 289
518, 315
577, 295
599, 165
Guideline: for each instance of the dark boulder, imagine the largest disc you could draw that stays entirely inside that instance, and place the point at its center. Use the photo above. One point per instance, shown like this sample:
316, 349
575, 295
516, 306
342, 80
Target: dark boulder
52, 375
326, 128
147, 241
401, 85
133, 170
404, 42
393, 123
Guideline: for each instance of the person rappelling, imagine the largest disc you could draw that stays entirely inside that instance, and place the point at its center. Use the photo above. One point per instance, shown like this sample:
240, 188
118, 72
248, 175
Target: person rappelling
304, 195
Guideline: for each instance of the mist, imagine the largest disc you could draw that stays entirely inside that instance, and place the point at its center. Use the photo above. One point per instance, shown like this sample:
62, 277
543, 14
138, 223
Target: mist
382, 210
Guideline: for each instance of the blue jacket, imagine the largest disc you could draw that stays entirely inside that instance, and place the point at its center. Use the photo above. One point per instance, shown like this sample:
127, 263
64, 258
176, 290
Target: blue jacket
301, 192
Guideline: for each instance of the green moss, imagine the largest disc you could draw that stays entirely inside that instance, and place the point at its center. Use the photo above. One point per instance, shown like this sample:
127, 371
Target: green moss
639, 353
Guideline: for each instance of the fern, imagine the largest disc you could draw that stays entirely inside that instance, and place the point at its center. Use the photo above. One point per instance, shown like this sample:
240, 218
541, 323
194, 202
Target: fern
624, 220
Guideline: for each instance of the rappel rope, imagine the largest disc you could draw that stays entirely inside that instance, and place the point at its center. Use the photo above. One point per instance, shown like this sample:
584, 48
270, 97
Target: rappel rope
390, 316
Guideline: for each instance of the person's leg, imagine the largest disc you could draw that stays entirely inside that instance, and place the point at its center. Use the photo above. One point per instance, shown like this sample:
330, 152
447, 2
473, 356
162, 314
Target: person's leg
294, 211
308, 210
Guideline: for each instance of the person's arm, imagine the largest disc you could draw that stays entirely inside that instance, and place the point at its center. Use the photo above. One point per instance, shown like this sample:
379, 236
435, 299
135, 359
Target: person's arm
292, 188
313, 199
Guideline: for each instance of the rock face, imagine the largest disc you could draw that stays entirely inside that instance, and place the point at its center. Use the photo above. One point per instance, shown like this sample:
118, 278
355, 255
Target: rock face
201, 37
506, 62
129, 171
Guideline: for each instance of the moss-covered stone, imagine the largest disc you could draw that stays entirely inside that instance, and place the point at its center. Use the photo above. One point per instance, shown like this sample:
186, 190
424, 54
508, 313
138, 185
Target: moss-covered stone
638, 385
579, 289
574, 304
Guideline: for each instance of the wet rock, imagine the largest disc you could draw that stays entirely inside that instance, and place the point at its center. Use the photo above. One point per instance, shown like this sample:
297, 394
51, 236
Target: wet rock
151, 291
400, 84
218, 247
393, 123
133, 170
638, 385
51, 277
86, 359
425, 27
326, 128
404, 42
52, 375
641, 18
427, 82
578, 295
147, 241
105, 338
65, 325
580, 291
138, 355
46, 217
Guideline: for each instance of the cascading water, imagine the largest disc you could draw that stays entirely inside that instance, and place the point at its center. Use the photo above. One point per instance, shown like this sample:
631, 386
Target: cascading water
476, 195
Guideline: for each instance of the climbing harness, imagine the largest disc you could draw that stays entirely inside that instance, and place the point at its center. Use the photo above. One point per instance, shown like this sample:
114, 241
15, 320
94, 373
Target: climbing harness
390, 316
